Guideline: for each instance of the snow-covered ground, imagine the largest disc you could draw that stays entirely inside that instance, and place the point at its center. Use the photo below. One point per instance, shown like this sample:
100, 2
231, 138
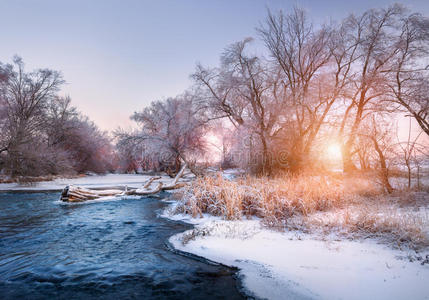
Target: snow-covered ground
96, 181
291, 265
401, 183
285, 265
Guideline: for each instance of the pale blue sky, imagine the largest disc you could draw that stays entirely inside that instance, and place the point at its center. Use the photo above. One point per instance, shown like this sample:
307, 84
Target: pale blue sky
118, 56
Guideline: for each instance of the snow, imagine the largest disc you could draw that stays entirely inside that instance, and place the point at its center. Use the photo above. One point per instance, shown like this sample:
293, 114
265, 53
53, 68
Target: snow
282, 265
99, 200
231, 174
98, 181
401, 183
291, 265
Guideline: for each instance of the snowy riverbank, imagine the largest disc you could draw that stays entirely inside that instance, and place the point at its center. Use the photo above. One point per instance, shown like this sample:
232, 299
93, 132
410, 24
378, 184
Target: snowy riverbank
292, 265
285, 265
94, 182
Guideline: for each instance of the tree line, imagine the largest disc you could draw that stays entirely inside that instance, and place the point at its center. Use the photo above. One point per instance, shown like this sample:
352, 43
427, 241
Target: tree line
345, 81
41, 132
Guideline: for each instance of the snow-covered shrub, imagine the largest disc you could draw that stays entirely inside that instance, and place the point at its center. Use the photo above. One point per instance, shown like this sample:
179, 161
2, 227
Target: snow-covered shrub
326, 204
271, 199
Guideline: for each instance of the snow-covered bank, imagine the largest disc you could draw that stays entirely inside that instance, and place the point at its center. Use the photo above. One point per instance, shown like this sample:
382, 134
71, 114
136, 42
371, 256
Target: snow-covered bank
97, 181
292, 265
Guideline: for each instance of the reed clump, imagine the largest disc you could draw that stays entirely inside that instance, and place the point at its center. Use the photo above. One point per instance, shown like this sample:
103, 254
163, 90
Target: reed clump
325, 204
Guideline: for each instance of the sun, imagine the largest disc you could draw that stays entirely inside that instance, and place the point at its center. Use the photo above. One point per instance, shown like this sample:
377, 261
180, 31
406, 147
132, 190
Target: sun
334, 151
213, 144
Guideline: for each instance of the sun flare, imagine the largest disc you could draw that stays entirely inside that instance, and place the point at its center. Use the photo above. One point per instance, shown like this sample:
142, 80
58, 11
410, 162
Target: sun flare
334, 151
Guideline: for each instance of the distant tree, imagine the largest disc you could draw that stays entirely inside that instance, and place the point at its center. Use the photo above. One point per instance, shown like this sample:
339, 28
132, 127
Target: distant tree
130, 153
411, 153
41, 132
380, 133
26, 96
170, 131
3, 116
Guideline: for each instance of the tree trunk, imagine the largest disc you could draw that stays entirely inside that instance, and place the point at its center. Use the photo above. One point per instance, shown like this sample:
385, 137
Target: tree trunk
384, 172
418, 177
409, 174
362, 161
79, 194
348, 165
266, 162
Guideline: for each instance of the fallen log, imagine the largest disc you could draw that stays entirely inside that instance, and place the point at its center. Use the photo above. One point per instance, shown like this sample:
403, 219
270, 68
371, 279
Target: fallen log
149, 182
143, 192
173, 187
79, 194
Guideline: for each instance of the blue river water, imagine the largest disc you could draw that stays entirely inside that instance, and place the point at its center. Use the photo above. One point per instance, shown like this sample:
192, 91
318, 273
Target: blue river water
108, 250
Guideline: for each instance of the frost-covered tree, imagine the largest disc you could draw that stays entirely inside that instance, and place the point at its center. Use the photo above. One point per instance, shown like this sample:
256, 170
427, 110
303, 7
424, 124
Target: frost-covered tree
301, 55
409, 74
26, 96
243, 90
170, 132
41, 133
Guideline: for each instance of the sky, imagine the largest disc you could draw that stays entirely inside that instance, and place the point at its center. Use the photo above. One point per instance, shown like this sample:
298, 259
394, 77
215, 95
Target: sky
118, 56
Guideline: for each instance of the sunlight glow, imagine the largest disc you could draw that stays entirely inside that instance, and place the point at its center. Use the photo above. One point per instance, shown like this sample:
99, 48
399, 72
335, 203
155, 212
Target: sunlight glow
334, 152
213, 147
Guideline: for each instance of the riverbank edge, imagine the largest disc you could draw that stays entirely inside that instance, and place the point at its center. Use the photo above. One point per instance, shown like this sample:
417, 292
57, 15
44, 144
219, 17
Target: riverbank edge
240, 273
294, 289
237, 277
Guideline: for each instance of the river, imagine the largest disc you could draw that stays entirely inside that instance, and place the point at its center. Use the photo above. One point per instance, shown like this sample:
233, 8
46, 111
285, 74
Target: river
111, 250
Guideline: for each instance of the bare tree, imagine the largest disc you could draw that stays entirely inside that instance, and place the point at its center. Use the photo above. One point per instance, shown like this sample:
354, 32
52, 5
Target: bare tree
60, 119
301, 53
378, 131
3, 114
249, 95
409, 76
363, 150
170, 131
375, 33
410, 151
26, 96
41, 132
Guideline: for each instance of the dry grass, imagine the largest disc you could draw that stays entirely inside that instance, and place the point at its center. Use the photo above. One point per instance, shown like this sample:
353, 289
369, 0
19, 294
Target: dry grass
279, 198
353, 207
389, 223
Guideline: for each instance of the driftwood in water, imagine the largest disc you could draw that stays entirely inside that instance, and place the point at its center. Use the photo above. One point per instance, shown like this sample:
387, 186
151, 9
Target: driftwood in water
149, 182
78, 194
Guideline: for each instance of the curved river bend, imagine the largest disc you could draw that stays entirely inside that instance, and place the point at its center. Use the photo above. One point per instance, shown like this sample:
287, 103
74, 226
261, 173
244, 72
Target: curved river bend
110, 250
